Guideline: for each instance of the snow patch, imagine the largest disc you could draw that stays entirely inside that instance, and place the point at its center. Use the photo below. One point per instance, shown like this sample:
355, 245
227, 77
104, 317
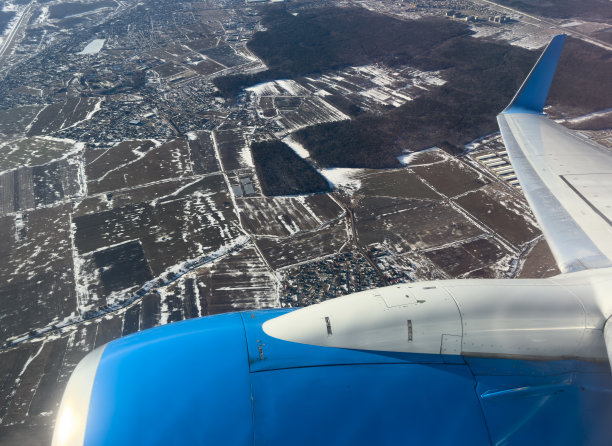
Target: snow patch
298, 148
93, 47
344, 177
97, 107
280, 87
409, 158
44, 15
292, 87
483, 140
589, 116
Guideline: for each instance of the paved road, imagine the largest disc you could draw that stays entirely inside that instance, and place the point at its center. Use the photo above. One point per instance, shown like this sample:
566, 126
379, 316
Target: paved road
7, 45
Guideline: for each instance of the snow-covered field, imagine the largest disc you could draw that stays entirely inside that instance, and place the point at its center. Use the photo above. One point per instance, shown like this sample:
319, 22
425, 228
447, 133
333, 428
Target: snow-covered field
93, 47
369, 87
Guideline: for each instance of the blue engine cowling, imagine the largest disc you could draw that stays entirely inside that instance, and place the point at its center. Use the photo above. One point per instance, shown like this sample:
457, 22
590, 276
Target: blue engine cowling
222, 380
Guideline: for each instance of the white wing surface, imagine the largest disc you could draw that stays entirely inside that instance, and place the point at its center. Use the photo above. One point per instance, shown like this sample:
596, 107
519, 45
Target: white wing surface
566, 178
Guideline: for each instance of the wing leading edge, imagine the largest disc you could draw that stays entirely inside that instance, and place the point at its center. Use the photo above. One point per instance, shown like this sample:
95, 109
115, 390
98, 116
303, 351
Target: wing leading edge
565, 177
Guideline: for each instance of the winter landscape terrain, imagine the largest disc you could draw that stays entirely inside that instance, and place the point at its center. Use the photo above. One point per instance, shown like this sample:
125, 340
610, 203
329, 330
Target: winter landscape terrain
165, 160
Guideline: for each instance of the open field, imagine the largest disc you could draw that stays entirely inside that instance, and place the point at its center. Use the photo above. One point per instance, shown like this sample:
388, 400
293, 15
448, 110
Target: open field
65, 9
202, 154
309, 112
180, 228
63, 115
36, 272
303, 247
401, 183
169, 69
499, 209
170, 160
225, 55
16, 120
105, 201
100, 162
207, 67
283, 216
233, 146
410, 224
33, 151
450, 177
470, 258
240, 281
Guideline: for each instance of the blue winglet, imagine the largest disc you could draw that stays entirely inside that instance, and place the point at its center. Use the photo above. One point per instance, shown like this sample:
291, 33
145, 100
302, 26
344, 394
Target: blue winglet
531, 97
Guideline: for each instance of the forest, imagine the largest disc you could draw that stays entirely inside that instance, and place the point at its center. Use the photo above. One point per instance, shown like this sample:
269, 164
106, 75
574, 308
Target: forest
332, 38
481, 77
282, 172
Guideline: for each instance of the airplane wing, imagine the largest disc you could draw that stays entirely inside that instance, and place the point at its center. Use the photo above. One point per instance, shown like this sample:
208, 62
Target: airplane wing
567, 179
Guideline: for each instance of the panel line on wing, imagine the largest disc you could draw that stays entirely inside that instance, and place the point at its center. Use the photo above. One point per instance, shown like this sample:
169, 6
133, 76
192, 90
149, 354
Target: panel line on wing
586, 200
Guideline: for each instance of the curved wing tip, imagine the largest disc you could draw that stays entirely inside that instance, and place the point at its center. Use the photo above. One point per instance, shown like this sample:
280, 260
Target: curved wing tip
531, 97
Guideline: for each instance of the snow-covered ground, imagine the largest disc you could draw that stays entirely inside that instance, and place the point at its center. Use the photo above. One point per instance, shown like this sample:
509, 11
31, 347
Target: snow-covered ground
93, 47
343, 177
281, 87
411, 157
296, 146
